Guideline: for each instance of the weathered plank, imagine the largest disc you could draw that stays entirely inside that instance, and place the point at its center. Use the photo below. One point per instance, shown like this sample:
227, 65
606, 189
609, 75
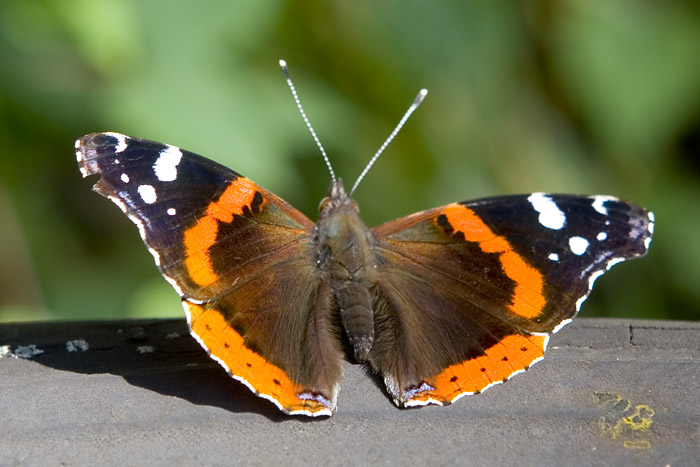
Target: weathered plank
609, 392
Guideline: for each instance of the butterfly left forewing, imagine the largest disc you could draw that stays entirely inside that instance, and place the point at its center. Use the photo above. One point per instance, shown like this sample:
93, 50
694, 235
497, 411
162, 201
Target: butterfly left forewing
469, 292
187, 206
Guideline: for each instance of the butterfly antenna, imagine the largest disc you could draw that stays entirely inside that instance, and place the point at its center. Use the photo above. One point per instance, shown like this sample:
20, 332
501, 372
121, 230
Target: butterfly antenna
285, 70
416, 102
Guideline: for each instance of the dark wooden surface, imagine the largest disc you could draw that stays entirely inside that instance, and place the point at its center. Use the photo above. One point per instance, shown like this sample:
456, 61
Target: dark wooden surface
609, 392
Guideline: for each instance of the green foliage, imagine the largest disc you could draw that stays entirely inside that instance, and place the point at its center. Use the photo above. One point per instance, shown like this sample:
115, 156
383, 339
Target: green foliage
569, 96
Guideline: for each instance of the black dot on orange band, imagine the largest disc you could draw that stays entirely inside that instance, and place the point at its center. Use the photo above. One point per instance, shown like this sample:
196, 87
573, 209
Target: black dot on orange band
483, 370
277, 382
207, 327
453, 379
524, 349
444, 224
505, 359
257, 201
226, 344
248, 365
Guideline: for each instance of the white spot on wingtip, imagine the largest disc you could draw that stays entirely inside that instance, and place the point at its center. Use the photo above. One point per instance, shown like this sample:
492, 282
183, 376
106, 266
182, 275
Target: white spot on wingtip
121, 141
124, 178
599, 203
550, 215
148, 194
165, 166
553, 257
171, 211
601, 236
578, 245
79, 152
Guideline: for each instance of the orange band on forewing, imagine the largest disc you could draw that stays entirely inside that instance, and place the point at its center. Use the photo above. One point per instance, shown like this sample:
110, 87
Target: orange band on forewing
238, 194
500, 362
199, 238
528, 299
268, 380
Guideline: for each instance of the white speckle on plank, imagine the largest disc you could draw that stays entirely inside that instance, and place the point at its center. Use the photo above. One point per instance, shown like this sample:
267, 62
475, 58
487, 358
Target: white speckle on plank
6, 351
145, 349
77, 345
172, 335
27, 351
550, 215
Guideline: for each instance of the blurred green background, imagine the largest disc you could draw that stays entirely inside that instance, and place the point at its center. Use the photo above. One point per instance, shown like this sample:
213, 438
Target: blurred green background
561, 96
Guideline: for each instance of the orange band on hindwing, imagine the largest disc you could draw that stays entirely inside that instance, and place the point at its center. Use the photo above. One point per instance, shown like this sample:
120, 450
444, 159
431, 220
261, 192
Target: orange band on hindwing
528, 299
199, 238
512, 354
265, 379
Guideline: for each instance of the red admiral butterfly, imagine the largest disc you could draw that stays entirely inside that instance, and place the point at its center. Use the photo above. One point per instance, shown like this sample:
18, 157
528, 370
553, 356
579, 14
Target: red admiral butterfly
442, 303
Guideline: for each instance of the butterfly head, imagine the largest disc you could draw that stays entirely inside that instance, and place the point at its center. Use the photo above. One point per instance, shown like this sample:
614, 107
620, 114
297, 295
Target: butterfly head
337, 199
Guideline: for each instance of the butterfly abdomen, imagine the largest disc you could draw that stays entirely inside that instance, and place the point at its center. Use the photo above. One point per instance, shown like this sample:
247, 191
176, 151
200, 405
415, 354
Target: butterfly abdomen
345, 256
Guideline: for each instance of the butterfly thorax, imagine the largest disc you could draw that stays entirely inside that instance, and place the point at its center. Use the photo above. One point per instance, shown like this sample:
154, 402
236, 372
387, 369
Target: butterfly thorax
344, 253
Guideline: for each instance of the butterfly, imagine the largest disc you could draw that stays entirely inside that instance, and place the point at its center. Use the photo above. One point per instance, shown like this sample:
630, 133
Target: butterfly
442, 303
